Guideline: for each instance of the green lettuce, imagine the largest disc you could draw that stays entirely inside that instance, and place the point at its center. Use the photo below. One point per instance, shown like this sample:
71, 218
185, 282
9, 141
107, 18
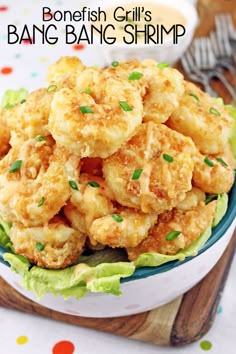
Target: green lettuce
232, 138
12, 97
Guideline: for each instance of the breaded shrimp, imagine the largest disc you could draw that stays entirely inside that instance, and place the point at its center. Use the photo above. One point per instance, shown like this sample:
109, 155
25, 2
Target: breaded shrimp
190, 223
64, 72
192, 199
161, 89
90, 202
38, 188
30, 118
202, 118
164, 159
95, 124
4, 135
55, 245
125, 229
211, 175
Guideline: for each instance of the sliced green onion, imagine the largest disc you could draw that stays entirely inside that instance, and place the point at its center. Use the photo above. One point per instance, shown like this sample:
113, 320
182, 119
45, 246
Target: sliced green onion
115, 63
219, 159
208, 162
85, 109
163, 65
51, 88
117, 217
168, 158
15, 166
87, 90
41, 202
210, 198
124, 105
23, 101
40, 138
136, 174
73, 185
39, 246
135, 75
214, 111
172, 235
93, 184
194, 96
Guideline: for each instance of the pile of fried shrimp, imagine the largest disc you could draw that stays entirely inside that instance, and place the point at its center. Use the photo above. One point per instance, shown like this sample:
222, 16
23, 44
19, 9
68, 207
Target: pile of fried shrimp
121, 157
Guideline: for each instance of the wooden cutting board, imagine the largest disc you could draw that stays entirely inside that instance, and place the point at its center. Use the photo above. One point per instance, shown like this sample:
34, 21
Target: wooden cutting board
180, 322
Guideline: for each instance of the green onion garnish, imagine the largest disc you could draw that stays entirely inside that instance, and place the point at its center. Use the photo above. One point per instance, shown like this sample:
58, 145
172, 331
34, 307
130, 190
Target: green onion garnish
163, 65
168, 158
39, 246
219, 159
73, 185
136, 174
208, 162
51, 88
210, 198
41, 202
15, 166
135, 75
194, 96
9, 106
117, 217
172, 235
85, 109
214, 111
23, 101
124, 105
40, 138
115, 63
93, 184
87, 90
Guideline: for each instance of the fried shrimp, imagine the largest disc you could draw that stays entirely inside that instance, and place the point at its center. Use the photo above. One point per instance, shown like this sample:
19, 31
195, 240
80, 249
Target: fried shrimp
91, 201
190, 223
192, 199
161, 89
202, 118
33, 182
65, 71
125, 229
153, 171
4, 135
54, 245
212, 175
95, 124
30, 118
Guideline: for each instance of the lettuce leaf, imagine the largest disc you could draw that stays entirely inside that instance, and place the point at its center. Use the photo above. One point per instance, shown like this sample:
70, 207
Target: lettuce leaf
232, 138
12, 97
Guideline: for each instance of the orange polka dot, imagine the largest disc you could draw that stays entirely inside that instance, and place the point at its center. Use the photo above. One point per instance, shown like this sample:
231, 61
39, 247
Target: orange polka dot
6, 70
63, 347
78, 46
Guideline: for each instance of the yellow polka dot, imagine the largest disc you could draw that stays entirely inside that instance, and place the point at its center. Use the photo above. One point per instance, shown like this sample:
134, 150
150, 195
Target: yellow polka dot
22, 340
26, 12
43, 59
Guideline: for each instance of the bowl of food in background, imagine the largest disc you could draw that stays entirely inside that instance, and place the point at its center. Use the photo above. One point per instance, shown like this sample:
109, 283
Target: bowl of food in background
156, 29
118, 194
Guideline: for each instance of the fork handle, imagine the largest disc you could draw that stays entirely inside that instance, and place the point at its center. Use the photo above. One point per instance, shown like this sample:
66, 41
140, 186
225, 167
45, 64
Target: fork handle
226, 83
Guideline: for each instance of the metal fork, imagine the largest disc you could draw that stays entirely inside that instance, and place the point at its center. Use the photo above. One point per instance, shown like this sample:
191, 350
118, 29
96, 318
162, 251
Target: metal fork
195, 74
205, 60
224, 23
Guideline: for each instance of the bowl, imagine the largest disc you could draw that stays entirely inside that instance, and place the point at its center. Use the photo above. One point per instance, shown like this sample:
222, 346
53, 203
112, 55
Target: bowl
168, 51
147, 288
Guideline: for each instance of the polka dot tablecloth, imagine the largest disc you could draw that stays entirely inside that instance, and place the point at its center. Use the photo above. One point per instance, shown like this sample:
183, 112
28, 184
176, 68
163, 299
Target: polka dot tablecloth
24, 65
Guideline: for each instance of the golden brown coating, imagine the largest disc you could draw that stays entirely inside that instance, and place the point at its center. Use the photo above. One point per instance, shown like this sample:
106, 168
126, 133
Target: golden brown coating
190, 223
164, 156
95, 124
125, 228
161, 89
4, 135
54, 245
202, 118
41, 177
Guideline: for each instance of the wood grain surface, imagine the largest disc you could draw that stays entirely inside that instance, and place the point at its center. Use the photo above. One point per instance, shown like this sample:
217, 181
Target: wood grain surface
188, 317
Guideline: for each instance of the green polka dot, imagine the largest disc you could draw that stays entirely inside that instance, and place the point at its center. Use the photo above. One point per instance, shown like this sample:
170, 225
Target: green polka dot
219, 310
205, 345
